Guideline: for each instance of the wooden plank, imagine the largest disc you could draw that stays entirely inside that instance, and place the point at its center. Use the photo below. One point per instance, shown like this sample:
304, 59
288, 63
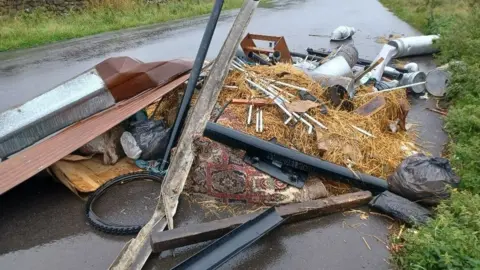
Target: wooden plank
372, 106
40, 156
178, 237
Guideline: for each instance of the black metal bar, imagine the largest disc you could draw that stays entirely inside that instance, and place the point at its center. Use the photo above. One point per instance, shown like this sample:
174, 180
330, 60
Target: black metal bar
192, 81
225, 248
283, 173
310, 57
292, 158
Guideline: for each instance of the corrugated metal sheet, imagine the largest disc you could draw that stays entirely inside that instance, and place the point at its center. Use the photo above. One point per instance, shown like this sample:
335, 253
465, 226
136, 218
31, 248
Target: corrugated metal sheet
38, 157
60, 107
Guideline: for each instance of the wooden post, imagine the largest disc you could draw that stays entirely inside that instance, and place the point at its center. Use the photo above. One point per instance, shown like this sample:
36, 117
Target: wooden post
136, 252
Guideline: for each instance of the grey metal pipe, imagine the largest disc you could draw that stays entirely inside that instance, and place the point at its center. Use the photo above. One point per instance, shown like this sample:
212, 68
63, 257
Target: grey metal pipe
257, 58
338, 66
350, 53
410, 46
412, 78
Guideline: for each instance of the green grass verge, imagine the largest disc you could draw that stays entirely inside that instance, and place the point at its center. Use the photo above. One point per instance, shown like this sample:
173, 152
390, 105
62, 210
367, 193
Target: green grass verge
41, 27
452, 239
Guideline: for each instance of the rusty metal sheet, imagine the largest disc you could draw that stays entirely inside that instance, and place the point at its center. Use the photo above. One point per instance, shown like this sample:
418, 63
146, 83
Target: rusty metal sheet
279, 46
126, 77
38, 157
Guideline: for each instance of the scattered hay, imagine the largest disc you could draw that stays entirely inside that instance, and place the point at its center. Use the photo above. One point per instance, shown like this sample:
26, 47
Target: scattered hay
341, 143
216, 209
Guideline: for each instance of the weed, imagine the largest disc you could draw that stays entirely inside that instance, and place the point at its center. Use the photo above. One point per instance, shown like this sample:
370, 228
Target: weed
41, 26
451, 240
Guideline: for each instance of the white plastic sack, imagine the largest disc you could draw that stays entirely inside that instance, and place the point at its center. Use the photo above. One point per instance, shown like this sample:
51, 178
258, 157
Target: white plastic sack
130, 146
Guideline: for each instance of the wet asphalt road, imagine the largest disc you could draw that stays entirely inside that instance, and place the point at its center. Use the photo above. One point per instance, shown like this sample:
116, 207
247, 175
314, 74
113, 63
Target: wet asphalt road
42, 224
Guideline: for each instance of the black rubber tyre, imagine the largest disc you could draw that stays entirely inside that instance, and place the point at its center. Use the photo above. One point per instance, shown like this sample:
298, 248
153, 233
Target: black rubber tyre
109, 227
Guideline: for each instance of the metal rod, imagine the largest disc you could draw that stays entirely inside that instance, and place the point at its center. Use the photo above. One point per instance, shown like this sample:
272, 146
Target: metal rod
277, 88
310, 127
192, 81
288, 85
315, 121
261, 120
363, 131
257, 121
393, 89
249, 118
306, 56
277, 100
276, 96
240, 61
235, 65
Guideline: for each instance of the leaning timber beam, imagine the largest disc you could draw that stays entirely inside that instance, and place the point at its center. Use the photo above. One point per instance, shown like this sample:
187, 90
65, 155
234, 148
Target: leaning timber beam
136, 252
196, 233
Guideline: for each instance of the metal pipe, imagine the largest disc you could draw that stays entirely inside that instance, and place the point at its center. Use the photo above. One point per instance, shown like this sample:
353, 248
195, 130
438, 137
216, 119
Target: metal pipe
310, 127
349, 53
306, 56
257, 120
276, 88
338, 66
249, 118
315, 121
261, 120
288, 85
192, 81
240, 61
360, 62
235, 65
277, 100
276, 96
413, 78
410, 46
393, 89
258, 59
271, 151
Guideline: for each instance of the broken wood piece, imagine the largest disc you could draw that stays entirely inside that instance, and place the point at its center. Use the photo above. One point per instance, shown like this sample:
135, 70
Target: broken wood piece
89, 174
373, 106
368, 69
196, 233
437, 111
301, 106
255, 102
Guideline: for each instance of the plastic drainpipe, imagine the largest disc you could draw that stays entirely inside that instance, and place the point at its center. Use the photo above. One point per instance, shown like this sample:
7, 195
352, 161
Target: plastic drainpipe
192, 81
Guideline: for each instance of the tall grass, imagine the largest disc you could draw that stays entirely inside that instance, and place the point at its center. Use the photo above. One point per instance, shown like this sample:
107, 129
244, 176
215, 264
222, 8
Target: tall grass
452, 240
41, 27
